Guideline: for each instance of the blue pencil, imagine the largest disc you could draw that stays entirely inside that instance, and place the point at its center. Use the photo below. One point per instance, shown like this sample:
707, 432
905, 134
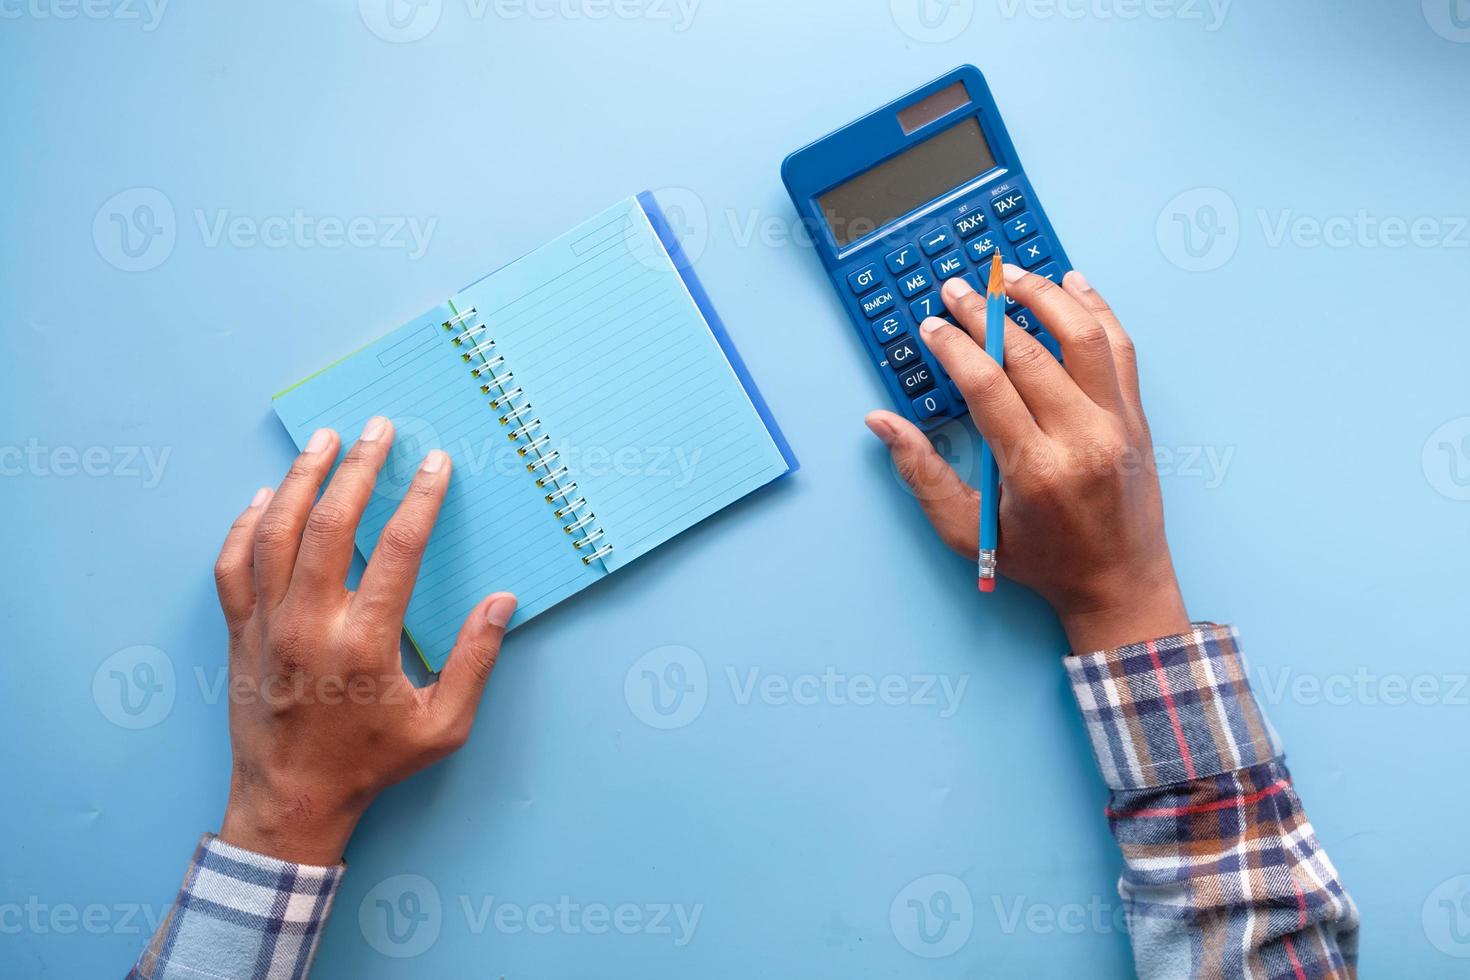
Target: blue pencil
995, 346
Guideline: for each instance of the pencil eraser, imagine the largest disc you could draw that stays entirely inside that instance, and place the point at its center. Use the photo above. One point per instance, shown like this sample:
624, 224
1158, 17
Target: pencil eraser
987, 585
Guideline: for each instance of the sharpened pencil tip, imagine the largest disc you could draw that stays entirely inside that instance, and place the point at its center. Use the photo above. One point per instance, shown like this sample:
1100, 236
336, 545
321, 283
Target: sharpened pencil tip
997, 275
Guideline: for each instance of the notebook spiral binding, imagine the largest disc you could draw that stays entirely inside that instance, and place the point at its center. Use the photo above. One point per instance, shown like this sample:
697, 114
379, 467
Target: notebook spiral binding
506, 398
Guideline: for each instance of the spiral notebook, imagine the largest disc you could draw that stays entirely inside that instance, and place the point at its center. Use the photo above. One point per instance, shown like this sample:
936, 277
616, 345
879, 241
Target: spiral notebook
593, 405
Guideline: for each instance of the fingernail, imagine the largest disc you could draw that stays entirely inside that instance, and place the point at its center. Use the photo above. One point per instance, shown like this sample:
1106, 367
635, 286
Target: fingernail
1081, 281
261, 496
374, 428
882, 429
1012, 272
319, 441
932, 324
434, 462
500, 610
956, 288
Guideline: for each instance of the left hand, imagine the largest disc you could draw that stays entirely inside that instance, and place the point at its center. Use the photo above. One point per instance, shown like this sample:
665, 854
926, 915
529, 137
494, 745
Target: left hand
322, 717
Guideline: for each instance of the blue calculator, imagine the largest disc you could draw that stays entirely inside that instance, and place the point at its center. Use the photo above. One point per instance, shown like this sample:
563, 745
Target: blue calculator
925, 189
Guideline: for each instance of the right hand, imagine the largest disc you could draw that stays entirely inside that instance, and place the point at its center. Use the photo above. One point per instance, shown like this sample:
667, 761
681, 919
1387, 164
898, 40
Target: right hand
1081, 513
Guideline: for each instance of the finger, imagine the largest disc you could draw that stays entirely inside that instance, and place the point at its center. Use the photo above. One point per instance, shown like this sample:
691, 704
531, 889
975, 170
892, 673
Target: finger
326, 544
233, 574
278, 536
951, 506
387, 584
1044, 385
1125, 359
457, 695
997, 408
1085, 348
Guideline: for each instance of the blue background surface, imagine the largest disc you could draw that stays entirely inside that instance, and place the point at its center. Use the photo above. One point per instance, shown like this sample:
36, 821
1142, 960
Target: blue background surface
1331, 525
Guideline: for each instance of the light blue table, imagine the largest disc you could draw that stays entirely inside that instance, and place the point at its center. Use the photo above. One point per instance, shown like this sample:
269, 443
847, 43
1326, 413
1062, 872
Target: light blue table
1317, 468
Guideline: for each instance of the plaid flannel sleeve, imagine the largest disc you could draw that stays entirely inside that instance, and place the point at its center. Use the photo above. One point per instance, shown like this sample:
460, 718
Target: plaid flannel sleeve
1223, 874
241, 915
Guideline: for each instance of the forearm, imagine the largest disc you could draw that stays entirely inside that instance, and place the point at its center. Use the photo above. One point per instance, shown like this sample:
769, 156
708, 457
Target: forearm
1224, 876
241, 914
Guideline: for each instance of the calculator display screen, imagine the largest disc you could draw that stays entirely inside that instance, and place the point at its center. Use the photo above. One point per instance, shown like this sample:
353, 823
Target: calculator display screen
899, 185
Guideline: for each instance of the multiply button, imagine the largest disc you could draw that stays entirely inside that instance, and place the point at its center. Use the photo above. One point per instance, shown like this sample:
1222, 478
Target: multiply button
1034, 252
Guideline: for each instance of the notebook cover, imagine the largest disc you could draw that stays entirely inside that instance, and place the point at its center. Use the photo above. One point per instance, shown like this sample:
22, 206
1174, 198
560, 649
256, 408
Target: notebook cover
701, 298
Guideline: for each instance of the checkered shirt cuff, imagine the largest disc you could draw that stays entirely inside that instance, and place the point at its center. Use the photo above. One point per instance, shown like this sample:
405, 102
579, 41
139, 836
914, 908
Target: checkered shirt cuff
1171, 710
241, 914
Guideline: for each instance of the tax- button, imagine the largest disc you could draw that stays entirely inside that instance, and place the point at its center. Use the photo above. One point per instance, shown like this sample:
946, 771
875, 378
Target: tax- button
878, 303
1008, 203
936, 241
902, 354
1021, 226
902, 260
864, 279
916, 380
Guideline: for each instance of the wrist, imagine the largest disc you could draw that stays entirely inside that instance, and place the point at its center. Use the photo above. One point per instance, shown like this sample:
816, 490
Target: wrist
1144, 609
296, 829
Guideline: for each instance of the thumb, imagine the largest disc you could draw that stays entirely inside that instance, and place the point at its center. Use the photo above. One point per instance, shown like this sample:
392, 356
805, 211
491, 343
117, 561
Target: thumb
474, 656
951, 505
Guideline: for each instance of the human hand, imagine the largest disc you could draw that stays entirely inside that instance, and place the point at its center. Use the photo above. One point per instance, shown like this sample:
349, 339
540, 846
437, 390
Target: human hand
1081, 514
322, 717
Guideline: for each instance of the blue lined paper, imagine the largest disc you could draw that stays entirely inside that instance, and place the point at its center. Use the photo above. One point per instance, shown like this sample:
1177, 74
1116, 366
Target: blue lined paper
628, 380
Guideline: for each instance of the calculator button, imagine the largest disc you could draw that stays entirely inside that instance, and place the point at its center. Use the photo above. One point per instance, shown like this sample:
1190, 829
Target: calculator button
929, 406
903, 260
890, 327
1050, 271
916, 380
970, 225
878, 303
936, 241
954, 393
1026, 320
927, 306
981, 248
1008, 204
949, 265
902, 354
1021, 226
1034, 251
915, 282
865, 278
